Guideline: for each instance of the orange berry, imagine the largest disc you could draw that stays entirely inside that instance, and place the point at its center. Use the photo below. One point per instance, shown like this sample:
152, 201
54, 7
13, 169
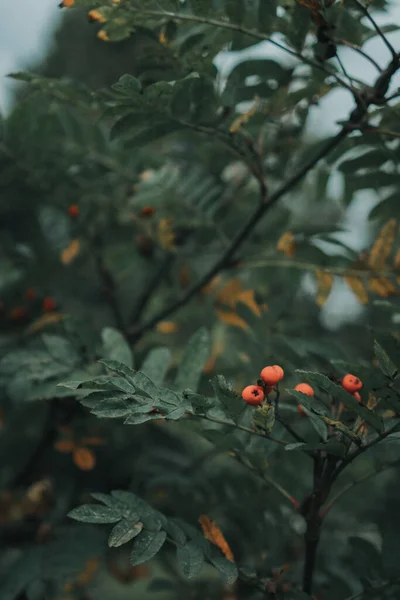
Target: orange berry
304, 388
272, 375
49, 304
73, 211
18, 313
30, 294
253, 395
301, 410
357, 397
67, 3
351, 383
147, 211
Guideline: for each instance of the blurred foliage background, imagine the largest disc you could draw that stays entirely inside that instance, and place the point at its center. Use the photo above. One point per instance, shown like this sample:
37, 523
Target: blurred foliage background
117, 193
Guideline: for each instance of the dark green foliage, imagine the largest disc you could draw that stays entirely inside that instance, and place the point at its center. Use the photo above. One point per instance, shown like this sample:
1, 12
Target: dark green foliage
169, 226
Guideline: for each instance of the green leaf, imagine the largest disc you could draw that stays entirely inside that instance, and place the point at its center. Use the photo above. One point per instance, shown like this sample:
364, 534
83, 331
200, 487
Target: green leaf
340, 394
231, 402
195, 357
60, 349
116, 347
190, 559
146, 545
332, 447
312, 404
127, 85
146, 385
235, 9
124, 531
119, 368
156, 364
226, 567
385, 363
93, 513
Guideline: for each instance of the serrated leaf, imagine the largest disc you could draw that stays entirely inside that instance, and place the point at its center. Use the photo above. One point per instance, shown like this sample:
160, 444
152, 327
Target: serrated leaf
116, 347
127, 85
146, 545
123, 532
324, 285
385, 363
145, 384
93, 513
231, 402
339, 426
332, 447
119, 368
190, 559
382, 245
156, 364
227, 568
195, 357
310, 403
357, 287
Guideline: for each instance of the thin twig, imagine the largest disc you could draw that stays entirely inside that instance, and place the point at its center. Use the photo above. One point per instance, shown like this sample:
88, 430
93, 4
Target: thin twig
378, 30
264, 435
250, 32
108, 282
151, 287
360, 51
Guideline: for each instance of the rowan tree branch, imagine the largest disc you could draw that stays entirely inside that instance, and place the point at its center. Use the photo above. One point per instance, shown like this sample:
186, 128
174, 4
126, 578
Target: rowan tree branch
375, 25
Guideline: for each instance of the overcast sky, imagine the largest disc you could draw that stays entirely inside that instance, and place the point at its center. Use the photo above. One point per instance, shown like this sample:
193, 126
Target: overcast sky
26, 29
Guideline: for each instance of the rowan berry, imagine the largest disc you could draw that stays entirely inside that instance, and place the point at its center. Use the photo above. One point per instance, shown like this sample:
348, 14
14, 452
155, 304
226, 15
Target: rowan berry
147, 211
305, 388
49, 304
73, 211
253, 395
351, 383
272, 375
357, 397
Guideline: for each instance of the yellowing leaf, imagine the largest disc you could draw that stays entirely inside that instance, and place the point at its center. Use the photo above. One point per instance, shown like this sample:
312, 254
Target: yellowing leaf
247, 297
210, 287
71, 252
244, 118
324, 286
357, 287
214, 535
163, 39
87, 575
383, 245
166, 235
216, 351
382, 286
396, 262
84, 459
286, 244
46, 319
231, 318
167, 327
229, 293
64, 446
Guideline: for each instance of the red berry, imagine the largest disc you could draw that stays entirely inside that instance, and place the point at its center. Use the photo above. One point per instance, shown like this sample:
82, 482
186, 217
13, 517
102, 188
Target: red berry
272, 375
30, 294
18, 313
147, 211
304, 388
49, 304
351, 383
357, 397
253, 395
73, 211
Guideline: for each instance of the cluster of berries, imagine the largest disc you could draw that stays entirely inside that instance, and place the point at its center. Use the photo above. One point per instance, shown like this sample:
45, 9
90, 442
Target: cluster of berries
270, 376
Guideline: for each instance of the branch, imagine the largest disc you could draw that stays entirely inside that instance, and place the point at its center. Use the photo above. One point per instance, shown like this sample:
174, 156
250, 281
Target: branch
363, 449
373, 95
375, 589
376, 27
108, 282
151, 287
360, 51
241, 428
240, 29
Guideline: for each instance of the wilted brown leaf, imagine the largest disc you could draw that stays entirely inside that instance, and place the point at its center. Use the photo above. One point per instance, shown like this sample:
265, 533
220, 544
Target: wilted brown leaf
71, 252
286, 244
382, 286
382, 246
231, 318
43, 321
357, 287
214, 535
65, 446
324, 286
166, 235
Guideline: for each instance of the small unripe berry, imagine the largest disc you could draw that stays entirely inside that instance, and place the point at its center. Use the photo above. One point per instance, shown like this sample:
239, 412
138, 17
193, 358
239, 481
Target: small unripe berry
272, 375
304, 388
73, 211
357, 397
49, 304
351, 383
253, 395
